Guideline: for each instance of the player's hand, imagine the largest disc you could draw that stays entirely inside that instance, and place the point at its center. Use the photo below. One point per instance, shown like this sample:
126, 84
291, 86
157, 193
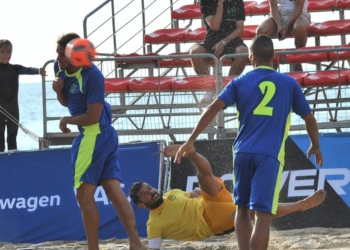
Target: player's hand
183, 151
42, 72
317, 153
57, 85
219, 48
63, 126
283, 31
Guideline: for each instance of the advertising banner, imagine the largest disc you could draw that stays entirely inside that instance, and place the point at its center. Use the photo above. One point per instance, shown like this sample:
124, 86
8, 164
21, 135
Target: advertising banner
301, 177
37, 199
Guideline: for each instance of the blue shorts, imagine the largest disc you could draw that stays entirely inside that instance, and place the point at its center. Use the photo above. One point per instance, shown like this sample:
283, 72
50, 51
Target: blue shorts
257, 180
95, 157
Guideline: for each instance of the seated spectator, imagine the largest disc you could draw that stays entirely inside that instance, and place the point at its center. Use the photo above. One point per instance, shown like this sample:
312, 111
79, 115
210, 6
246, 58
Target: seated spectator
287, 17
224, 22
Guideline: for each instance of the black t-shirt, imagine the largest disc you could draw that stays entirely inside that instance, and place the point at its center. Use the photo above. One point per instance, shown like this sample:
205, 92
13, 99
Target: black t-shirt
233, 10
9, 74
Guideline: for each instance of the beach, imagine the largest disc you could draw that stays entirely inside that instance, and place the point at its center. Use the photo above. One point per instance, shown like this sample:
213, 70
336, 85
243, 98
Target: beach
308, 238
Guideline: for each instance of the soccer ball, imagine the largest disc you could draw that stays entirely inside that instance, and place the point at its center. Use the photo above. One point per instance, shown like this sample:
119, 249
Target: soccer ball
80, 52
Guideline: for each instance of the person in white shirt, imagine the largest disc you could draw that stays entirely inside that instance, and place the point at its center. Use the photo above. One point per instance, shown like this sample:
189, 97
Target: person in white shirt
287, 18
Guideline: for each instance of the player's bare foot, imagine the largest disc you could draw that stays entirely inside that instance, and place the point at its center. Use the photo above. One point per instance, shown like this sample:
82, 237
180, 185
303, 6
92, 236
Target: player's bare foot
313, 200
170, 151
138, 247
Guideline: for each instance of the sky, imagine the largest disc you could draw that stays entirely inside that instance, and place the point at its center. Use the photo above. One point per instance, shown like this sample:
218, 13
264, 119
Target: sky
33, 26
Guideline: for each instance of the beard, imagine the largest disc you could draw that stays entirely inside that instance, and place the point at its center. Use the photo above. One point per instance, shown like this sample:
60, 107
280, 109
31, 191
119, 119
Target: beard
156, 203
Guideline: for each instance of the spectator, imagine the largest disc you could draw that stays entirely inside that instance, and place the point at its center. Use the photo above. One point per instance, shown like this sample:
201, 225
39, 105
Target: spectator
264, 100
9, 83
287, 17
95, 150
224, 22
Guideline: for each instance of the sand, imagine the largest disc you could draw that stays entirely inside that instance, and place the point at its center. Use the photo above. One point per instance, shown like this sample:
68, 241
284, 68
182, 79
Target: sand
308, 238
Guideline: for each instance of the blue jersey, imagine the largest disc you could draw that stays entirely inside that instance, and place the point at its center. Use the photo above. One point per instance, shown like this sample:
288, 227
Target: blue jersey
86, 86
264, 99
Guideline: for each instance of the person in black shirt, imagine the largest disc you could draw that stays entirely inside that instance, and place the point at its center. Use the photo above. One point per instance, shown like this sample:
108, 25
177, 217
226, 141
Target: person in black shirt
9, 74
224, 22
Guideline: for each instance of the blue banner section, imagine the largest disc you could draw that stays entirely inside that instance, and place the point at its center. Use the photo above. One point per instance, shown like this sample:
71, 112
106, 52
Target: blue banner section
336, 167
37, 199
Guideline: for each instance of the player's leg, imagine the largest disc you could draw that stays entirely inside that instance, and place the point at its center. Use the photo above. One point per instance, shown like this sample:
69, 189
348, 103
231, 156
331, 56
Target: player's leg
207, 181
239, 63
300, 34
2, 132
267, 27
198, 63
309, 202
89, 212
125, 212
110, 181
12, 130
267, 173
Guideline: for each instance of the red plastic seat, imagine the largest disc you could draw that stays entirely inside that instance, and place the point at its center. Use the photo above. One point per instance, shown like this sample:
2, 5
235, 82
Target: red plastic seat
191, 11
249, 32
280, 58
340, 55
262, 8
139, 58
248, 5
194, 83
299, 77
175, 35
117, 85
321, 5
196, 35
327, 28
148, 84
176, 62
309, 56
327, 78
343, 4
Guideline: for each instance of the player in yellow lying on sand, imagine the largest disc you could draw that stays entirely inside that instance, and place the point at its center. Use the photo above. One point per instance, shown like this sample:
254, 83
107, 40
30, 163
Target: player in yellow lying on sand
201, 213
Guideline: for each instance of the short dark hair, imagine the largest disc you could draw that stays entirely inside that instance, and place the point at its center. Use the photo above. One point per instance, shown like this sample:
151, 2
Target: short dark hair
262, 47
135, 188
5, 43
64, 39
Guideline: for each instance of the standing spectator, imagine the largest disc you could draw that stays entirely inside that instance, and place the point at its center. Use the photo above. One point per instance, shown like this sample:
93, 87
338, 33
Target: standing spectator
9, 84
95, 150
224, 22
287, 17
264, 99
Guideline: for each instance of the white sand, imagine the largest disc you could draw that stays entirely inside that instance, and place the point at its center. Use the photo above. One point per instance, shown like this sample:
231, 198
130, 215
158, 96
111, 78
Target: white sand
309, 238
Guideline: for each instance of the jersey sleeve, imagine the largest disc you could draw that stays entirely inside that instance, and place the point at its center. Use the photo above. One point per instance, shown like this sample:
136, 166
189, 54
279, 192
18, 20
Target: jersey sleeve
228, 93
240, 16
208, 8
153, 231
155, 243
299, 104
95, 87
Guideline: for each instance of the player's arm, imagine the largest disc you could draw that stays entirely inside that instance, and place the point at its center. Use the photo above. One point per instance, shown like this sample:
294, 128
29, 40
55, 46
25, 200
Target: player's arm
57, 86
275, 14
205, 119
299, 4
92, 116
195, 193
155, 243
312, 131
214, 21
236, 33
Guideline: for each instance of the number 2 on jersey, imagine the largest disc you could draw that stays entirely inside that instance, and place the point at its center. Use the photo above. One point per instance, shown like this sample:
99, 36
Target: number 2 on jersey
268, 89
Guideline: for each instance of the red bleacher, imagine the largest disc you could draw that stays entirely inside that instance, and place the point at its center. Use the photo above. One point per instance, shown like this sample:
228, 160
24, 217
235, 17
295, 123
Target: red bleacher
204, 83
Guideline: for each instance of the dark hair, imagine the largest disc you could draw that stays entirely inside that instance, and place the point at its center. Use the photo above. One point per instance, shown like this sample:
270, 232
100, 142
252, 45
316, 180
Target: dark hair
262, 47
66, 38
135, 188
5, 43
